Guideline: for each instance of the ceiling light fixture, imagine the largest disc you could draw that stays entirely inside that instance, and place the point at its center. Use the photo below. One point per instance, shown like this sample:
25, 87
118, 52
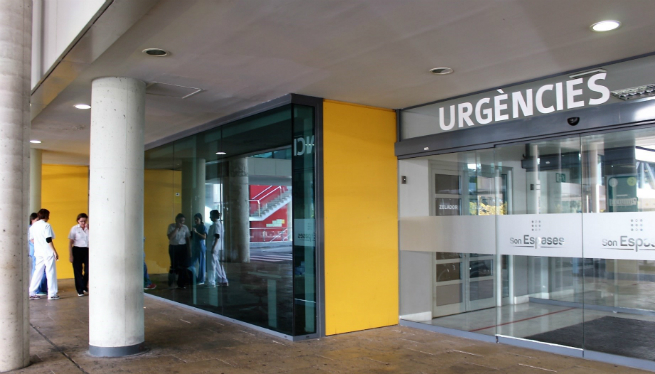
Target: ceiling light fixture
157, 52
82, 106
441, 71
607, 25
35, 141
221, 153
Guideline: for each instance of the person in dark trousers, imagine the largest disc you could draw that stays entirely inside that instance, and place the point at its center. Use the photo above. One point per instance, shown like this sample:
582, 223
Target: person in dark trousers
198, 248
78, 251
179, 250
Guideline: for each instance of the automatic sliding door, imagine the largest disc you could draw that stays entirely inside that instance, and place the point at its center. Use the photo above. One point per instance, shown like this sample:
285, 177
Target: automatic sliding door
619, 244
541, 235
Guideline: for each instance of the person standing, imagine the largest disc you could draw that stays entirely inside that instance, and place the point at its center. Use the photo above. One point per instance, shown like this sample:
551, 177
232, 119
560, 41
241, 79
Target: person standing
198, 248
179, 250
46, 255
78, 251
43, 287
215, 245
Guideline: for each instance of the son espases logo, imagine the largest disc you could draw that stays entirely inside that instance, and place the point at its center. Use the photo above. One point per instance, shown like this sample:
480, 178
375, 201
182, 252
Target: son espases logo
626, 243
536, 242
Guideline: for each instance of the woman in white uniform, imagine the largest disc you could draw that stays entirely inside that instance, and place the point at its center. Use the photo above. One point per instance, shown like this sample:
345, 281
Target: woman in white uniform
78, 251
215, 247
45, 254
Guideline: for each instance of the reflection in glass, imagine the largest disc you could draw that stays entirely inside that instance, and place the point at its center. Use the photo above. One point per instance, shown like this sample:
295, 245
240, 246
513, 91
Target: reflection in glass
448, 272
239, 192
598, 304
446, 184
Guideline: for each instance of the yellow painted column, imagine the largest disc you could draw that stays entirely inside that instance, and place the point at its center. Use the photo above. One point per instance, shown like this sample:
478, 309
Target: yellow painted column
361, 217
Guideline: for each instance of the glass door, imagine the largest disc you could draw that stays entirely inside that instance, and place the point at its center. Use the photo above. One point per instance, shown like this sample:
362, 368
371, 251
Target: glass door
539, 237
619, 242
463, 281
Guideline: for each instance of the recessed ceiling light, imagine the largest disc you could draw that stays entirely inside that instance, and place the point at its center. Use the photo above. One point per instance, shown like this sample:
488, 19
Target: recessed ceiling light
221, 153
157, 52
82, 106
35, 141
606, 25
441, 71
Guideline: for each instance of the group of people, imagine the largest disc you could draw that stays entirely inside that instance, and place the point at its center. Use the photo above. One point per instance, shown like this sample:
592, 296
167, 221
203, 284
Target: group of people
43, 255
188, 249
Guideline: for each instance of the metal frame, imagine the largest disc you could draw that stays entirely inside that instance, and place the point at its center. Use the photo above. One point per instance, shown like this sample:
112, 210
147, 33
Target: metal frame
602, 308
448, 331
595, 120
612, 116
317, 104
224, 318
288, 99
263, 107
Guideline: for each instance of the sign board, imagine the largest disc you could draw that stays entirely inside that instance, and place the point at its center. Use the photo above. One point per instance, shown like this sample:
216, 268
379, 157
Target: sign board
551, 235
620, 236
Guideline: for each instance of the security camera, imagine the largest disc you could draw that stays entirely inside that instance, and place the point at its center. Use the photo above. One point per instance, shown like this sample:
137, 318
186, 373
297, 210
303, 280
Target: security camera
573, 120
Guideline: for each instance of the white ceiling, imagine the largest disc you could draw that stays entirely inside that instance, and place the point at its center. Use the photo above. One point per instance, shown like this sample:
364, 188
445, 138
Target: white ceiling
372, 52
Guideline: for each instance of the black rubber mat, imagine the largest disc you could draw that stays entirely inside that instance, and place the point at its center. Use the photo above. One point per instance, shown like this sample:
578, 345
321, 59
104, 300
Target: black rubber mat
619, 336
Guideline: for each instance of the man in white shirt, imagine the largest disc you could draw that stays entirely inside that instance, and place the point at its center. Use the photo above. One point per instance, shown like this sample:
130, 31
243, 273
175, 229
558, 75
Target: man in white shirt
46, 255
215, 245
179, 250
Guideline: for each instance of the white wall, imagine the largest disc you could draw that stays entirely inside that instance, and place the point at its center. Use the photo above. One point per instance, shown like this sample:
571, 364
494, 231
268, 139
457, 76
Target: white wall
56, 23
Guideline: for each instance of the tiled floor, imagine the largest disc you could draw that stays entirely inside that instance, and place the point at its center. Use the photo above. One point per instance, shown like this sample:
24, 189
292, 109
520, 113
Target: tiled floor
185, 341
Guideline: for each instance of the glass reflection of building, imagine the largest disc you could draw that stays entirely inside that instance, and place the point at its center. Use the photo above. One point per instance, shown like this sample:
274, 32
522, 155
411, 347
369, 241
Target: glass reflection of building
259, 173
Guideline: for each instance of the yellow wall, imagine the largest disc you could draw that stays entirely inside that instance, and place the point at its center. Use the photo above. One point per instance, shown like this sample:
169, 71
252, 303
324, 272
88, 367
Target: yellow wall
161, 206
65, 193
361, 217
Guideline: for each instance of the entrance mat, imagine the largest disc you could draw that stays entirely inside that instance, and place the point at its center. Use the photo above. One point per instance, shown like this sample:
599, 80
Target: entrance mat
614, 335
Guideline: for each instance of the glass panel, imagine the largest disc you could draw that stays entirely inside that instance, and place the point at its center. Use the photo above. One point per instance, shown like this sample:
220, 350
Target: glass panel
446, 184
464, 275
480, 268
448, 272
304, 221
449, 294
618, 268
447, 255
233, 252
540, 241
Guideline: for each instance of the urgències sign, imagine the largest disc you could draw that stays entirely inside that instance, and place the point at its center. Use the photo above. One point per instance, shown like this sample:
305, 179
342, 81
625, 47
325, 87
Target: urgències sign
584, 89
549, 98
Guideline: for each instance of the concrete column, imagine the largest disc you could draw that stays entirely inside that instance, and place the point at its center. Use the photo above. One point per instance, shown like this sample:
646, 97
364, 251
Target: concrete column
36, 160
238, 217
116, 208
193, 189
16, 40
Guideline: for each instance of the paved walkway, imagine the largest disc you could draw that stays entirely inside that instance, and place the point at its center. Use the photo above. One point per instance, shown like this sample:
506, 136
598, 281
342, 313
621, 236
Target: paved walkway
184, 341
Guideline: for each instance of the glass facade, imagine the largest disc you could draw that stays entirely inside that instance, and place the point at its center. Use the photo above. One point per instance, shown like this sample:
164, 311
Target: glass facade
230, 222
548, 240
